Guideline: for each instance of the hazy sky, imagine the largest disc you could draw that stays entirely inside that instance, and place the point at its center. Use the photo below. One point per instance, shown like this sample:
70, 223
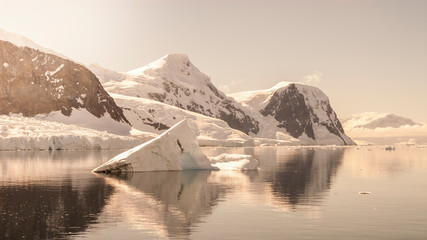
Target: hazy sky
366, 55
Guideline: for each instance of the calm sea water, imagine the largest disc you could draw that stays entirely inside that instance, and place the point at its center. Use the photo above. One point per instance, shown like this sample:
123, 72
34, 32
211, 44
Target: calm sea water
299, 193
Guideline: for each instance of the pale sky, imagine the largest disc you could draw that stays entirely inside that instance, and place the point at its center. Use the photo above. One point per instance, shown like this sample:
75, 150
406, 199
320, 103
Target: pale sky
366, 55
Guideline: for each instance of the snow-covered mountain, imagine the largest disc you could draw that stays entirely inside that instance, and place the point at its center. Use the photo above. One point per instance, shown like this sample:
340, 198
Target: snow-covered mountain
372, 120
285, 112
34, 83
156, 97
174, 80
300, 110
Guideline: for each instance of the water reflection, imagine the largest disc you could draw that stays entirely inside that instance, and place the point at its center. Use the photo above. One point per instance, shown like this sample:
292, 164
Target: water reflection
296, 176
53, 194
48, 194
163, 203
173, 204
303, 175
49, 212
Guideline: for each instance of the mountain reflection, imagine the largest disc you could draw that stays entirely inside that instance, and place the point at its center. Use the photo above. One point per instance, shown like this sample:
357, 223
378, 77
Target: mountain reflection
167, 204
50, 211
172, 204
304, 175
46, 195
50, 194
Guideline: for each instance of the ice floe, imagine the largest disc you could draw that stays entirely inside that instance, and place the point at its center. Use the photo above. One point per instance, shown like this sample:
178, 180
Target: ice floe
234, 162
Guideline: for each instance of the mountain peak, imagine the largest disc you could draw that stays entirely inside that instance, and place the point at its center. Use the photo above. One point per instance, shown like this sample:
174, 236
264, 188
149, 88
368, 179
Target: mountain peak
280, 85
177, 57
173, 61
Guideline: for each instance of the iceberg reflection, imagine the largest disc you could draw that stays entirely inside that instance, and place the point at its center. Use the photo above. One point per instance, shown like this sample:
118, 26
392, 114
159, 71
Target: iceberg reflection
163, 203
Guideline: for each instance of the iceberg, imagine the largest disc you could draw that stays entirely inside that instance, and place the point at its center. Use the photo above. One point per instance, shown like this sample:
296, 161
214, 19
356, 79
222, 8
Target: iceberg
234, 162
175, 149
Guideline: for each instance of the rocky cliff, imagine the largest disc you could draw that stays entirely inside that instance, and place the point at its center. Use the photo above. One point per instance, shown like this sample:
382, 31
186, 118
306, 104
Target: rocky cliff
34, 82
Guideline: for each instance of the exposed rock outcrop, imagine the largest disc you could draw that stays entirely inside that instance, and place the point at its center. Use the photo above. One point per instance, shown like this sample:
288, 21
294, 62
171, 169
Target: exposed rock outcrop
300, 110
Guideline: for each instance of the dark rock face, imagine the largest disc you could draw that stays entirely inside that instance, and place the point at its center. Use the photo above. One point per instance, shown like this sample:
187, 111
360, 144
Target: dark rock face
290, 109
334, 125
245, 123
33, 82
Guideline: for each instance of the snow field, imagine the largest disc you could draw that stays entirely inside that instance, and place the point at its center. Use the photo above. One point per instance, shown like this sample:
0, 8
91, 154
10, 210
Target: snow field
22, 133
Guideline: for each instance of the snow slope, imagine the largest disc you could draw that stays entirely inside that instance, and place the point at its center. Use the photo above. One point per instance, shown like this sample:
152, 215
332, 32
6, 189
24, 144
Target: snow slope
299, 110
81, 117
22, 41
22, 133
152, 116
175, 81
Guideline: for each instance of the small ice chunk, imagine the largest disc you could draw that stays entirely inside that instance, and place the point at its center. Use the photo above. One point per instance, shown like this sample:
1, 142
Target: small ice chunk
234, 162
5, 64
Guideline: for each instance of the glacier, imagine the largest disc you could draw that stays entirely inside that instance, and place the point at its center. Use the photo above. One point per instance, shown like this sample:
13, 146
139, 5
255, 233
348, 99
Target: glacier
24, 133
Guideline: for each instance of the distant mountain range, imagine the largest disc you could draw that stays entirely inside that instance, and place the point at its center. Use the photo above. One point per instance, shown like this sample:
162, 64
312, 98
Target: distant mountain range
385, 128
372, 120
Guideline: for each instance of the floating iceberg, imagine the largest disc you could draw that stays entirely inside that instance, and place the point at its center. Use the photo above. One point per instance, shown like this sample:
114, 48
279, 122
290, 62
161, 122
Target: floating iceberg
234, 162
175, 149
